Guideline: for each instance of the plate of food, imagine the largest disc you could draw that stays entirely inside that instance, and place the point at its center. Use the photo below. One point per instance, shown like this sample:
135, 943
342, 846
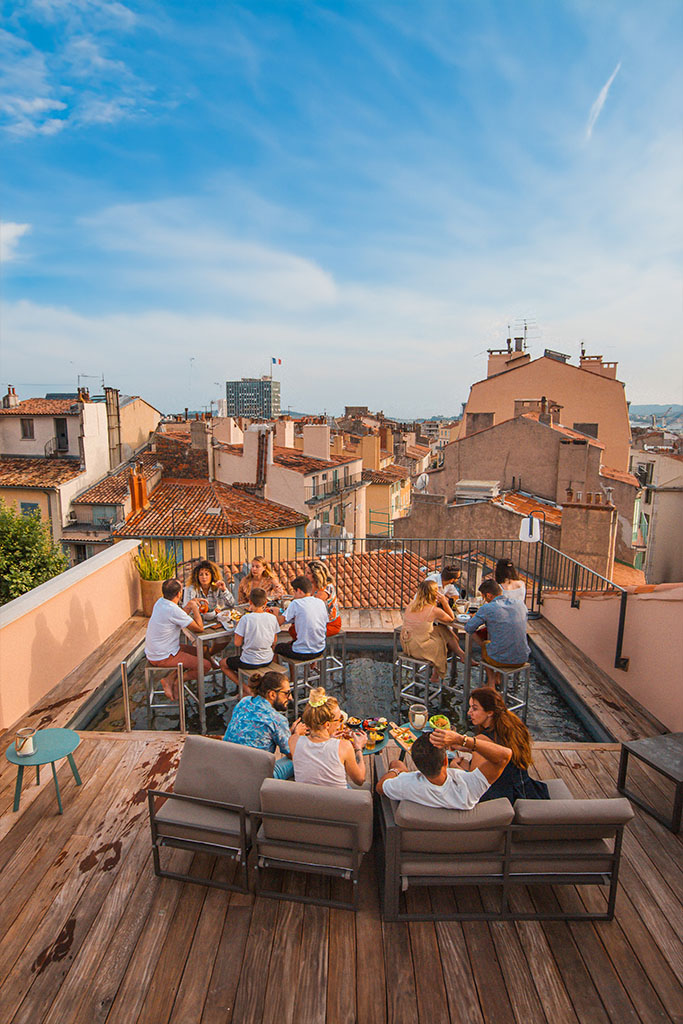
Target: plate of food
462, 618
403, 735
354, 723
377, 740
376, 724
440, 722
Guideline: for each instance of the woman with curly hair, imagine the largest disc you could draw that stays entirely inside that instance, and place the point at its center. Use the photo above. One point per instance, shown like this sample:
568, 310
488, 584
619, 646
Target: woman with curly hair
490, 717
262, 576
208, 587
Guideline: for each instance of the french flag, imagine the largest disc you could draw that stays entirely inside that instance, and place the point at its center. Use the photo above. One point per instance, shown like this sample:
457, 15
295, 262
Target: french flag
276, 362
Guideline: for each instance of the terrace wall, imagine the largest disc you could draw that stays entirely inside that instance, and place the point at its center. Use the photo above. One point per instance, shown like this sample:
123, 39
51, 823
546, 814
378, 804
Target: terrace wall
653, 642
48, 632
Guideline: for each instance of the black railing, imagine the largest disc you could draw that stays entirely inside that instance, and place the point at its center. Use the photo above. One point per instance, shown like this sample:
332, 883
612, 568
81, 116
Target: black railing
327, 488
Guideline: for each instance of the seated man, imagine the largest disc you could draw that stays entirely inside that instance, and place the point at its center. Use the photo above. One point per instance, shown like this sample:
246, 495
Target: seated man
309, 615
162, 641
505, 620
447, 581
255, 635
434, 784
259, 720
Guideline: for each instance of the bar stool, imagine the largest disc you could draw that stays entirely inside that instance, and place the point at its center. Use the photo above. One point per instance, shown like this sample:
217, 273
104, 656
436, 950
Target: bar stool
335, 662
515, 686
413, 682
154, 671
304, 676
245, 674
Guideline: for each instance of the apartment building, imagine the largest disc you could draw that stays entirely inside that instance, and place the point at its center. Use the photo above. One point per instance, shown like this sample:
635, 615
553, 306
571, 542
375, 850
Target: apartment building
256, 397
661, 521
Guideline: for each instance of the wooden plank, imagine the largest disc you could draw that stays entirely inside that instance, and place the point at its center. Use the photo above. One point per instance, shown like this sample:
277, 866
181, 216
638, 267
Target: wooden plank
486, 970
460, 987
430, 989
342, 964
220, 999
251, 989
370, 976
286, 952
517, 972
311, 986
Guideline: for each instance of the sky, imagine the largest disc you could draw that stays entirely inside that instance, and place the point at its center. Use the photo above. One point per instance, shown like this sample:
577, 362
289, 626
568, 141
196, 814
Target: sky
373, 192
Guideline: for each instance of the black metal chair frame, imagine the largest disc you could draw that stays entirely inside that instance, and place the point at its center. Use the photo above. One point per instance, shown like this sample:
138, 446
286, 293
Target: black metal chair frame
307, 867
389, 873
239, 852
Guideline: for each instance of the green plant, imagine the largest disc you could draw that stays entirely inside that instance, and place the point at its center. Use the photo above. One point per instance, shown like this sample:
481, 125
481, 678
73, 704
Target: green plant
155, 567
28, 555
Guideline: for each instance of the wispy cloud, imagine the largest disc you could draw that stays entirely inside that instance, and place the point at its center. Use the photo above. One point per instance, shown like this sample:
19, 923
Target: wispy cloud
10, 233
596, 109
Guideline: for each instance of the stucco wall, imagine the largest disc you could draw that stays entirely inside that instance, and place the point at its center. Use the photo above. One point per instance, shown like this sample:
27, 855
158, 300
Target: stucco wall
653, 641
46, 633
430, 517
12, 443
586, 398
138, 421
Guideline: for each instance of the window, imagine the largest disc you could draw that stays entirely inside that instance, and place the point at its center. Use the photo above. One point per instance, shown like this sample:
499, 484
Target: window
314, 486
211, 549
591, 429
578, 496
30, 508
104, 515
27, 430
325, 517
338, 514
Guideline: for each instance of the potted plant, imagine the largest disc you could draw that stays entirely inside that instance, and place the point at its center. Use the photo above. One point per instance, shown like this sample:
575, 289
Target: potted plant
153, 570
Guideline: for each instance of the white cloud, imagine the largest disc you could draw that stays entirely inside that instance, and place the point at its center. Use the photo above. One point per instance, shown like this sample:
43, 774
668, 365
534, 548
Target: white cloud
10, 233
596, 109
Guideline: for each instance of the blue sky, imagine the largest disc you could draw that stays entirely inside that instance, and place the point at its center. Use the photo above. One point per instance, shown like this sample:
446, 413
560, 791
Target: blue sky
371, 191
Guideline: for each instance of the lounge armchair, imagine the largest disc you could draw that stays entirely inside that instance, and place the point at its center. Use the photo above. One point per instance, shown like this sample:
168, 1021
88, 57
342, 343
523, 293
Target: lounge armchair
314, 829
216, 787
560, 841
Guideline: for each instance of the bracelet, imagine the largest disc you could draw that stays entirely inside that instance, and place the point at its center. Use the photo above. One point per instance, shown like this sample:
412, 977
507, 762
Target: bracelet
474, 743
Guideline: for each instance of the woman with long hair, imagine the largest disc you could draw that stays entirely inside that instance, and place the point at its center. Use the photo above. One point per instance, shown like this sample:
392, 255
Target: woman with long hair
260, 575
320, 756
208, 587
507, 577
425, 633
324, 588
490, 717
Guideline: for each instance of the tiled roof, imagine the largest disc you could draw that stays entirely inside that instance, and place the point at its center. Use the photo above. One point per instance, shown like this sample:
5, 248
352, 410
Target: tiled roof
524, 505
619, 474
43, 407
385, 579
627, 575
20, 472
388, 475
293, 459
231, 449
188, 502
417, 451
114, 488
574, 434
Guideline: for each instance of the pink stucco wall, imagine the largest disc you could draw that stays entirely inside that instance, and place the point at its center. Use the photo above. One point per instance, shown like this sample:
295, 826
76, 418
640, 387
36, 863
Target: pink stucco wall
46, 633
653, 641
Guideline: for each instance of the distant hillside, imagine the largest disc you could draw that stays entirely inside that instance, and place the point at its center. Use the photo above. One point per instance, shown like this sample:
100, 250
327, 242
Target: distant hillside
638, 411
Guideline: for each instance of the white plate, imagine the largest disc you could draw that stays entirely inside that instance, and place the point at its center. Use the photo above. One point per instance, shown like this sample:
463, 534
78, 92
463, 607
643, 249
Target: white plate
463, 618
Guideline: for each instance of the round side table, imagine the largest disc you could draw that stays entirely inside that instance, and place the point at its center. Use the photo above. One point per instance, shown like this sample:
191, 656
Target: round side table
50, 745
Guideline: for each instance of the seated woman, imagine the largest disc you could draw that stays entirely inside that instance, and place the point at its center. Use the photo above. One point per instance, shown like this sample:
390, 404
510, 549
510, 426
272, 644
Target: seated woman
324, 588
208, 587
261, 576
318, 754
425, 633
491, 719
507, 578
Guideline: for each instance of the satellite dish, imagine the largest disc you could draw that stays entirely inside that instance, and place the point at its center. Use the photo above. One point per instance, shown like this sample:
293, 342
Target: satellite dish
422, 481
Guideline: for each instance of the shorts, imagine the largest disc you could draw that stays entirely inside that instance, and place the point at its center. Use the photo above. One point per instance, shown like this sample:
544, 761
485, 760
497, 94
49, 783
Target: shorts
496, 664
286, 651
235, 663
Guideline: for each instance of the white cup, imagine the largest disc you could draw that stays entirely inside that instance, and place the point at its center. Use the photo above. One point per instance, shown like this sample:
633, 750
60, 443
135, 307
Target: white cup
23, 742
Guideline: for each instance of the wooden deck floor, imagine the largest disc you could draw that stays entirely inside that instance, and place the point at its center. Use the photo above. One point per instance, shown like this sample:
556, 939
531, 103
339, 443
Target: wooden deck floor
89, 934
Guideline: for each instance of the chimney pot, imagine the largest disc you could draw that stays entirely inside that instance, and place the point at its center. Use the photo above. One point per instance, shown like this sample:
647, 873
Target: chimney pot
570, 494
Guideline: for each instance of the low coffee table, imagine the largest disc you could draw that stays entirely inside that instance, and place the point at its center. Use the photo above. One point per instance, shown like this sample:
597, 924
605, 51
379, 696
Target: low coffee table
50, 745
665, 755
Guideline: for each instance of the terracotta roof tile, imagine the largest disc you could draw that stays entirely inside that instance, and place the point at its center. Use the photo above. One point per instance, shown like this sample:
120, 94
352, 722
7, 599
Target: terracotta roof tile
627, 575
43, 407
619, 474
524, 505
417, 451
188, 502
114, 488
294, 459
24, 472
388, 475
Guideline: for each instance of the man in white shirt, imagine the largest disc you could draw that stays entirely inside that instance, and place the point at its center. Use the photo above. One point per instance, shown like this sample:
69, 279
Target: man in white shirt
255, 636
310, 618
162, 641
434, 784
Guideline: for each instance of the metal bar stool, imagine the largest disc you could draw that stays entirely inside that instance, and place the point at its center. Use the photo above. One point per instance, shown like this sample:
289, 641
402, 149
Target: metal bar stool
335, 662
152, 694
514, 688
413, 682
304, 676
245, 674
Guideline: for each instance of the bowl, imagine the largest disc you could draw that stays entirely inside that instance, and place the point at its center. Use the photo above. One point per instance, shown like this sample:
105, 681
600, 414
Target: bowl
440, 722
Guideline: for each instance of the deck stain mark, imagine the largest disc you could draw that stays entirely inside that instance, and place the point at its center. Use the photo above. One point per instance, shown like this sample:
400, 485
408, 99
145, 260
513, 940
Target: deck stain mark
90, 861
166, 761
57, 950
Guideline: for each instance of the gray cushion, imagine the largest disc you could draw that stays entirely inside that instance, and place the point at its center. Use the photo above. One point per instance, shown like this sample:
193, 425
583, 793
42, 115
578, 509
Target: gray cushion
573, 814
557, 862
436, 866
558, 789
179, 819
303, 854
303, 800
425, 829
228, 772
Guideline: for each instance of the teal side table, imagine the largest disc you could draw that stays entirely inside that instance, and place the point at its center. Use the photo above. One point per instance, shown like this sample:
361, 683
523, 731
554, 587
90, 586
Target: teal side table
50, 745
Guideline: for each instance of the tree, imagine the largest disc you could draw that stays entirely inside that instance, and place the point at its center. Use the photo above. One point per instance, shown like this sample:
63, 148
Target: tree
27, 554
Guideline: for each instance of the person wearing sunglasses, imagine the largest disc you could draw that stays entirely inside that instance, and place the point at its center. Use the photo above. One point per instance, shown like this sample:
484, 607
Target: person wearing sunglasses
259, 721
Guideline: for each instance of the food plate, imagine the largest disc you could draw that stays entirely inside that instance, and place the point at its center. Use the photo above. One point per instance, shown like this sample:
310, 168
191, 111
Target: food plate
440, 722
380, 744
354, 723
376, 724
403, 735
462, 618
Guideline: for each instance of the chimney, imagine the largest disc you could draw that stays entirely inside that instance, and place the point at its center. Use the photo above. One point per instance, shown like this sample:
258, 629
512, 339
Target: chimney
137, 486
369, 449
570, 494
544, 415
284, 433
387, 438
10, 400
317, 441
186, 413
519, 343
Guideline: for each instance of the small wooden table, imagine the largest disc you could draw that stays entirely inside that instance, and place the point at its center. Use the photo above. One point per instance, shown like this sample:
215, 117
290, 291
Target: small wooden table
50, 745
665, 755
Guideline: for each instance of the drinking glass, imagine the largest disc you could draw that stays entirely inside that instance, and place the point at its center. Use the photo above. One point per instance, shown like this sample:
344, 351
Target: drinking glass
418, 716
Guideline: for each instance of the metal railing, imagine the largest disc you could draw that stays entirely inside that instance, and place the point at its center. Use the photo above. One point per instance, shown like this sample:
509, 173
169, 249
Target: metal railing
328, 488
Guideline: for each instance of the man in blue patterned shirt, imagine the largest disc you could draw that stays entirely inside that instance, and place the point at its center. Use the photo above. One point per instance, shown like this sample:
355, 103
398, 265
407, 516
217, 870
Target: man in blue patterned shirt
259, 721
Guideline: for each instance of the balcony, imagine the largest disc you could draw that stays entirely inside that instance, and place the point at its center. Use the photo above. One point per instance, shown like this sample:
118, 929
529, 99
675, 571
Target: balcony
329, 488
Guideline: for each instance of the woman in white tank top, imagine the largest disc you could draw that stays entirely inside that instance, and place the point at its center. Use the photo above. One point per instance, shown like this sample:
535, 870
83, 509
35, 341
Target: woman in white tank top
318, 755
507, 577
